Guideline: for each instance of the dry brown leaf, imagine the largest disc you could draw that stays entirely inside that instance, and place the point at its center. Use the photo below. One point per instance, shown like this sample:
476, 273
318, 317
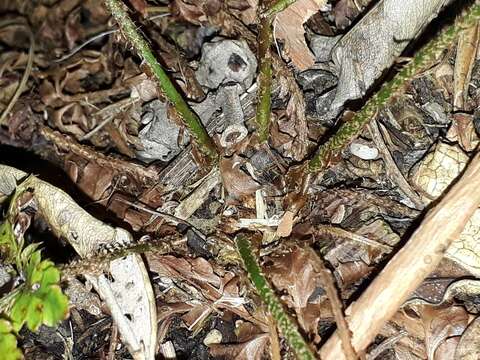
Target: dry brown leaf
347, 10
95, 180
289, 27
285, 227
139, 5
196, 11
441, 323
446, 350
247, 9
237, 183
249, 350
295, 273
469, 346
197, 272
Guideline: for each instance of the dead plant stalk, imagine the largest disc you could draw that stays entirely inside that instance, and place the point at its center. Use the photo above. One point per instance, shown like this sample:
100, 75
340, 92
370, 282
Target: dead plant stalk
413, 263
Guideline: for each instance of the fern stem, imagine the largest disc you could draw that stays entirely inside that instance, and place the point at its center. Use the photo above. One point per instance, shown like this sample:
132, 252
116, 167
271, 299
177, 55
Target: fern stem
191, 120
285, 324
277, 7
423, 58
264, 105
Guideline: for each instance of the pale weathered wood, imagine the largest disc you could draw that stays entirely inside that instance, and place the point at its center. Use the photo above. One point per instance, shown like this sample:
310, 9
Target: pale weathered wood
415, 261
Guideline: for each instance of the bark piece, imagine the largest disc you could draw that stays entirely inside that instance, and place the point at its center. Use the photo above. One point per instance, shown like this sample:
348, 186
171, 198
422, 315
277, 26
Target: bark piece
375, 42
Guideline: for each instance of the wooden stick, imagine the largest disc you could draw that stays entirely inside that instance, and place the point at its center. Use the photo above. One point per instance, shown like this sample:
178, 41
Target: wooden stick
336, 305
413, 263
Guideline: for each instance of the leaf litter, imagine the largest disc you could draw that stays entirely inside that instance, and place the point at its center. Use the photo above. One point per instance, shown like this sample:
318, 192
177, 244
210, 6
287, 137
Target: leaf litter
89, 107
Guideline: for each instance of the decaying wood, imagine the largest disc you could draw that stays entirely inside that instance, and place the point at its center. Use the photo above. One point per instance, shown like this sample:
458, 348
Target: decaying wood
376, 41
413, 263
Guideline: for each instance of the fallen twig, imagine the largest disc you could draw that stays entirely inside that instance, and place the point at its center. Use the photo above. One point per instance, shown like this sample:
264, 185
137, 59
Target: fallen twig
192, 121
23, 82
413, 263
76, 49
336, 304
393, 172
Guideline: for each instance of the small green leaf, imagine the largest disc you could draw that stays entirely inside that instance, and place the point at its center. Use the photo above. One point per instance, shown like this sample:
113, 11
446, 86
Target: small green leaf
8, 342
8, 245
41, 301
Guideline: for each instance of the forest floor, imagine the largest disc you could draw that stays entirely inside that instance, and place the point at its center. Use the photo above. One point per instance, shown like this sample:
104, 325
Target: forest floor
91, 121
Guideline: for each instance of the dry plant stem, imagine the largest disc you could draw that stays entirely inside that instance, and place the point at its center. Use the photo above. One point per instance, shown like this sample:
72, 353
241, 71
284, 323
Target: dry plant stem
113, 343
278, 6
386, 344
23, 82
329, 284
287, 327
264, 106
413, 263
67, 144
424, 58
339, 232
393, 172
96, 264
192, 121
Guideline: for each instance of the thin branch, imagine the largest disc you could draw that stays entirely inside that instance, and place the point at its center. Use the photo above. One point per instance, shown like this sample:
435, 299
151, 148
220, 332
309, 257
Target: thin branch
411, 265
337, 307
424, 58
191, 120
393, 172
23, 82
82, 45
288, 328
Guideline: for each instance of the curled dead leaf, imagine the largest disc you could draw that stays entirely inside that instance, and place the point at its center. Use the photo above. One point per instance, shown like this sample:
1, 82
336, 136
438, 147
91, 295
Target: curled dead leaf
296, 273
469, 346
289, 27
249, 350
237, 183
